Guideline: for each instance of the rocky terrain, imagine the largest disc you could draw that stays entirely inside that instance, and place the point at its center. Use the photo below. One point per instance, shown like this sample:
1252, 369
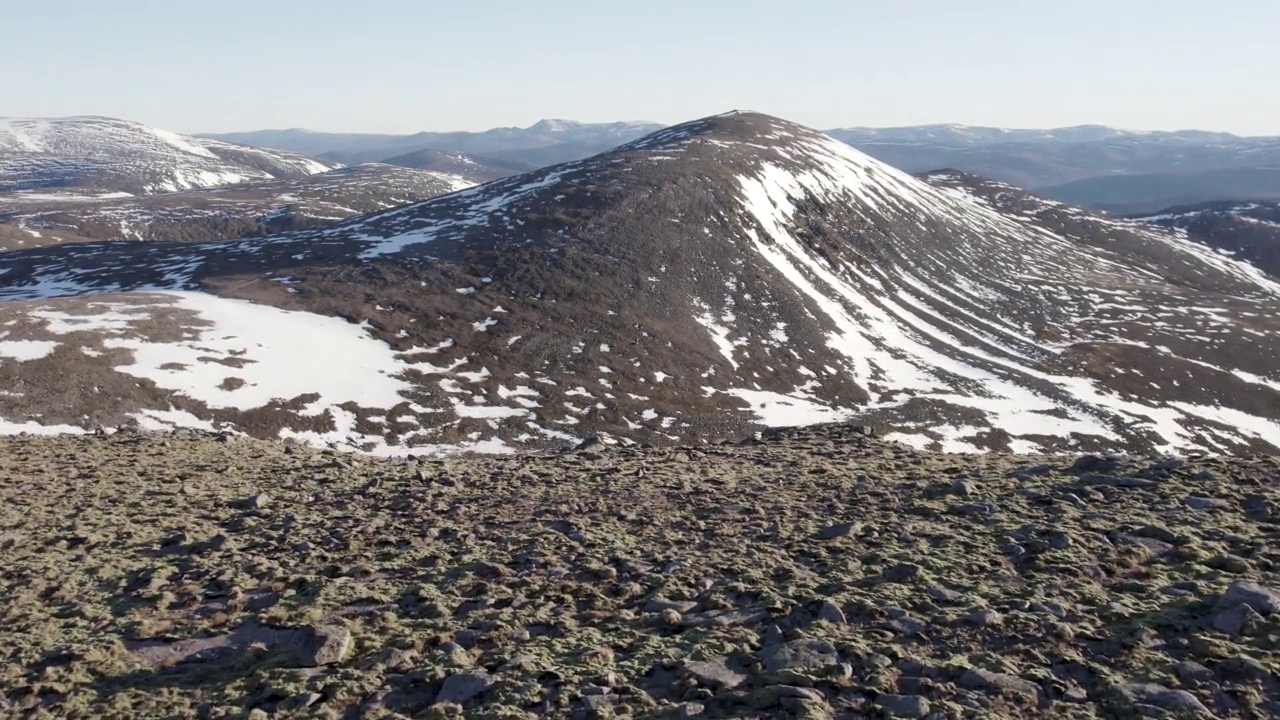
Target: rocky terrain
730, 273
234, 211
476, 169
89, 157
812, 573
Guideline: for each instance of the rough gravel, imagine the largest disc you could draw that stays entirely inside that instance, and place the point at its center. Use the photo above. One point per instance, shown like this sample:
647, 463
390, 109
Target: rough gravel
813, 573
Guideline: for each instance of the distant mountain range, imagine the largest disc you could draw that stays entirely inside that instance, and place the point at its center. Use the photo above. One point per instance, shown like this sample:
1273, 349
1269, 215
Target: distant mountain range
1103, 168
1098, 167
543, 143
694, 285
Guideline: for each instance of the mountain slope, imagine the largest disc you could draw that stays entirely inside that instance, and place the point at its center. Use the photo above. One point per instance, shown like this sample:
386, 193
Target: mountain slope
712, 277
1248, 231
32, 219
95, 155
477, 169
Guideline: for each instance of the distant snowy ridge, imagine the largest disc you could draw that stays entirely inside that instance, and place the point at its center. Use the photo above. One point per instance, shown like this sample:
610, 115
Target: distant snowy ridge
106, 155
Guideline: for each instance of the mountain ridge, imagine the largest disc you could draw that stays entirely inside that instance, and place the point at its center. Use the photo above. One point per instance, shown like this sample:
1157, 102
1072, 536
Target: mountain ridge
709, 278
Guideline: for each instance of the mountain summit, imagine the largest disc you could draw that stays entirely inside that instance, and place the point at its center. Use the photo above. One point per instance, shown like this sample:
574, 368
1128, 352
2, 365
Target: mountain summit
729, 273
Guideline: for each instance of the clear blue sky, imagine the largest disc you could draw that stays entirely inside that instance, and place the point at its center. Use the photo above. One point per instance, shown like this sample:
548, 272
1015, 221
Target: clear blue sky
408, 65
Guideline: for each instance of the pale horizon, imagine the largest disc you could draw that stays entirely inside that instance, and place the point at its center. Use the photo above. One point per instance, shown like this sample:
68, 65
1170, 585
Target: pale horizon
400, 67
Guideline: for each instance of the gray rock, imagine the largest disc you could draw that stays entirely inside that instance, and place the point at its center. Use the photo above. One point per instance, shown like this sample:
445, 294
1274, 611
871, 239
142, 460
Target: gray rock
1259, 597
658, 604
1236, 621
806, 655
1193, 673
462, 687
324, 645
723, 618
1229, 563
256, 502
1203, 503
942, 594
839, 530
993, 682
715, 673
832, 613
906, 706
902, 572
984, 617
963, 488
1163, 697
1100, 480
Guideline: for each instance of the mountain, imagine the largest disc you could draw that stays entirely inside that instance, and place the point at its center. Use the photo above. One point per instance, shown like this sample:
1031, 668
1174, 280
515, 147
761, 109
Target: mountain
1247, 231
478, 169
1099, 167
31, 219
704, 281
96, 155
553, 140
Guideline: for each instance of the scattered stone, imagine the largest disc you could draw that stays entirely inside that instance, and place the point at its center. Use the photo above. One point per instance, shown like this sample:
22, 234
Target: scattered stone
715, 673
1193, 674
1239, 620
1010, 685
324, 645
839, 530
1101, 480
256, 502
942, 594
1229, 563
832, 613
983, 617
800, 655
905, 706
1204, 503
1262, 599
461, 688
902, 572
658, 604
1163, 697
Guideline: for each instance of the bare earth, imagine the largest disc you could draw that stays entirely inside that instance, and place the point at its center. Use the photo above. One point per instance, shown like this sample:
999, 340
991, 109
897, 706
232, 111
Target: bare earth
813, 574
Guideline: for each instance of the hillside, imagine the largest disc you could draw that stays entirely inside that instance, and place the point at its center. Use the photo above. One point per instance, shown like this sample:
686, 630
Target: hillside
814, 574
731, 273
32, 219
476, 169
94, 156
1248, 231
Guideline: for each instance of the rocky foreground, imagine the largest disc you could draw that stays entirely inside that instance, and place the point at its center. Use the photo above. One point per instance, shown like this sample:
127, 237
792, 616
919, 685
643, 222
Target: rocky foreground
816, 574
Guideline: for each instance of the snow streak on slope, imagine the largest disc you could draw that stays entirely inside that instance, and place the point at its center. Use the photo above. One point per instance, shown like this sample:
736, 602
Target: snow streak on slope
891, 338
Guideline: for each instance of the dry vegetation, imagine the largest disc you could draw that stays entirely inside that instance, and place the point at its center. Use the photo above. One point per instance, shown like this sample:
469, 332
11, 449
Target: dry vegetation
813, 574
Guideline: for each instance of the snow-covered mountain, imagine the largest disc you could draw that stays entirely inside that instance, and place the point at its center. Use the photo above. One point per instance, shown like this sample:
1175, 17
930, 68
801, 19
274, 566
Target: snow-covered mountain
703, 281
34, 218
92, 156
